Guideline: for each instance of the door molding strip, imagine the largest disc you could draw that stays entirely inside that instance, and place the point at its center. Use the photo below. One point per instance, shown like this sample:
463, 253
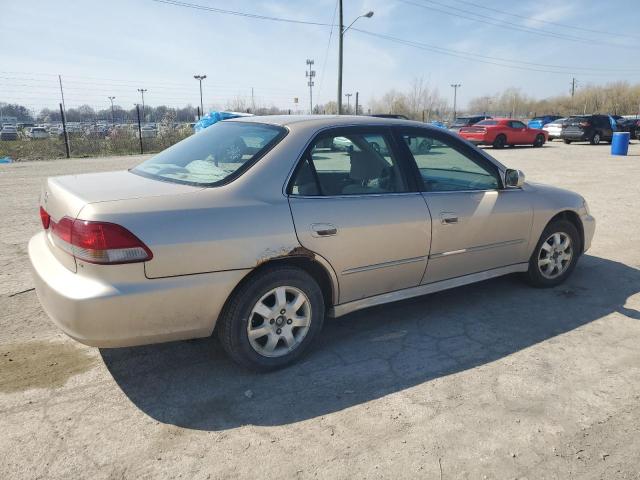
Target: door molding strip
343, 309
479, 248
375, 266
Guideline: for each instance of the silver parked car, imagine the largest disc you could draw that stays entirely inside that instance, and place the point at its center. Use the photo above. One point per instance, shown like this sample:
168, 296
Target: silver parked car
258, 228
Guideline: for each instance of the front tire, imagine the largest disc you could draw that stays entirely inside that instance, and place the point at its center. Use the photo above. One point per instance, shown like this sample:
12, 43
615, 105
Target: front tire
568, 142
555, 255
539, 141
595, 139
271, 320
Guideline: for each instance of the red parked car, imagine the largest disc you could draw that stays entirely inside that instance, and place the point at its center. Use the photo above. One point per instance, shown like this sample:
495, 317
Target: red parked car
503, 131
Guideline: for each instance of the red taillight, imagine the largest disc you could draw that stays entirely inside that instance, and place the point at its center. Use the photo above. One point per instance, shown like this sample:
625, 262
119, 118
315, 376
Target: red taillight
99, 242
45, 218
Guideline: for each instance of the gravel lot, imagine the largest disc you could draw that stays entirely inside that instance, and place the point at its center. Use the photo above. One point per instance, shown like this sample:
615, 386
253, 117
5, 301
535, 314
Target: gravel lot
495, 380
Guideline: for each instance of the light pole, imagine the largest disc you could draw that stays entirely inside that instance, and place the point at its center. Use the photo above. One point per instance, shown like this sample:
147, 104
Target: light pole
113, 117
348, 95
310, 74
142, 90
455, 97
342, 31
200, 78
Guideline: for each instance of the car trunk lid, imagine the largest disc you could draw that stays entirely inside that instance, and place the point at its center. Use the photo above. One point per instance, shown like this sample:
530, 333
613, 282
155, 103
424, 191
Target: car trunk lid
66, 196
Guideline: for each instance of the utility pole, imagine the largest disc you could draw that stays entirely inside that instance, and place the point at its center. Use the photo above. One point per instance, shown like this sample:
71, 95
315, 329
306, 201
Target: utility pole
340, 36
455, 97
253, 102
142, 90
199, 78
64, 107
310, 74
341, 32
139, 128
574, 84
348, 95
357, 102
113, 117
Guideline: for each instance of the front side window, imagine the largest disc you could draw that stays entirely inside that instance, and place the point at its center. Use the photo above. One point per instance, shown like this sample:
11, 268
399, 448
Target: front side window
214, 155
349, 164
445, 169
515, 124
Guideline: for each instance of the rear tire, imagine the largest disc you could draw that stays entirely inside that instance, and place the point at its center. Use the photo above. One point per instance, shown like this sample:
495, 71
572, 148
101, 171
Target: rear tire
568, 142
555, 255
257, 308
595, 139
500, 141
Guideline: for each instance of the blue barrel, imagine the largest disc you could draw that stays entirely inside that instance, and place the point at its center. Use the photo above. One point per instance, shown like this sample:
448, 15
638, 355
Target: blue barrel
620, 143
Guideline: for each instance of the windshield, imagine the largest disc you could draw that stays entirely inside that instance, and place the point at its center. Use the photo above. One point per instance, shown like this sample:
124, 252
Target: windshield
213, 155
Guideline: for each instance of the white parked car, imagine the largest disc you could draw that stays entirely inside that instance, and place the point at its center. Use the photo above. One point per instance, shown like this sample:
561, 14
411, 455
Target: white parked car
554, 129
37, 133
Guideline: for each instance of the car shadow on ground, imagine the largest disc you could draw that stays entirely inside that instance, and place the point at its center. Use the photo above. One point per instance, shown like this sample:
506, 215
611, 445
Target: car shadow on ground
371, 353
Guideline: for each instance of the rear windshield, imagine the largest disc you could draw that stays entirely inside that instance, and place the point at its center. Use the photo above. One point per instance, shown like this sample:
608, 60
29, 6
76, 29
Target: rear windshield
215, 155
462, 121
487, 122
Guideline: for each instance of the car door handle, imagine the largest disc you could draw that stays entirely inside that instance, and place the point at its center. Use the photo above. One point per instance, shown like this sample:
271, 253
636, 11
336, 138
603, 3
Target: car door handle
323, 229
448, 218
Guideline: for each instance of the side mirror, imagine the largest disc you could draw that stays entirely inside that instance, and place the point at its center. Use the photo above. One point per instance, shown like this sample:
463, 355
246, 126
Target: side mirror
513, 178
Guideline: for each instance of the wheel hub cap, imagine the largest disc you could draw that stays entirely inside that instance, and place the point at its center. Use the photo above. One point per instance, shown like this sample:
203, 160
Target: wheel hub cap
555, 255
279, 321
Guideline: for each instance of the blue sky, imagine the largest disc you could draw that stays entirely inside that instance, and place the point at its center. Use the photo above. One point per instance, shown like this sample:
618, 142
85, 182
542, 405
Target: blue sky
113, 47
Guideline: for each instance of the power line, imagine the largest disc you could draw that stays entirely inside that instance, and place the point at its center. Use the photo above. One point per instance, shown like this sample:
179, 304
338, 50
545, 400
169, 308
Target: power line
509, 25
476, 57
239, 14
546, 22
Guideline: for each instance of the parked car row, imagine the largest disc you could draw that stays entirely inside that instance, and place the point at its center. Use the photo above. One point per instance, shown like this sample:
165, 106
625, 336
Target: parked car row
501, 132
96, 130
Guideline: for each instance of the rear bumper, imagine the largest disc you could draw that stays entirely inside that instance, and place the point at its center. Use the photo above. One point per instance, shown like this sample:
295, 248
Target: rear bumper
475, 139
575, 136
126, 313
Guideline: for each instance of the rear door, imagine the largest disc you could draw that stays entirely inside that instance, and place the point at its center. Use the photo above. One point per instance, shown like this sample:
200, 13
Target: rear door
477, 224
354, 203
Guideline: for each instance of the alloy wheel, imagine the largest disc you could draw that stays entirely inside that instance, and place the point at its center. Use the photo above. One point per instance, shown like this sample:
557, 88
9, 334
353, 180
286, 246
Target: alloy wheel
555, 255
279, 321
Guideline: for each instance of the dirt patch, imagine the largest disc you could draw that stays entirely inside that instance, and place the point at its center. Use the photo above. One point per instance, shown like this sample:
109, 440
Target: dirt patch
41, 364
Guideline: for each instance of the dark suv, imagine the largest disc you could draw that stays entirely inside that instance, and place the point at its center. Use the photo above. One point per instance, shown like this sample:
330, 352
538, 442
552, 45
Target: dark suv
587, 128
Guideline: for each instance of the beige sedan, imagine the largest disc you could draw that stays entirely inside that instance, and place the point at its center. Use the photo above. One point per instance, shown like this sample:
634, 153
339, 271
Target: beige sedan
259, 227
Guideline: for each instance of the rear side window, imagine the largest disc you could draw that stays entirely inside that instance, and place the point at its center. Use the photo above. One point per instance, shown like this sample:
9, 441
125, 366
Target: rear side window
349, 164
446, 169
487, 122
218, 154
516, 124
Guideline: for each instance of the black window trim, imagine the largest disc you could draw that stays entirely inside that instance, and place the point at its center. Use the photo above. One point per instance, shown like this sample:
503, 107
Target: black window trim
404, 164
457, 144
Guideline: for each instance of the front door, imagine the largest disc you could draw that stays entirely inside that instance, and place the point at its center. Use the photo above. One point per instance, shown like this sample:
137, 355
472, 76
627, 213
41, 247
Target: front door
519, 132
354, 204
477, 225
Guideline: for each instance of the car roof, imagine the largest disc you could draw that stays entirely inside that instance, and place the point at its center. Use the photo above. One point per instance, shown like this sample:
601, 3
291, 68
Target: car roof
321, 121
